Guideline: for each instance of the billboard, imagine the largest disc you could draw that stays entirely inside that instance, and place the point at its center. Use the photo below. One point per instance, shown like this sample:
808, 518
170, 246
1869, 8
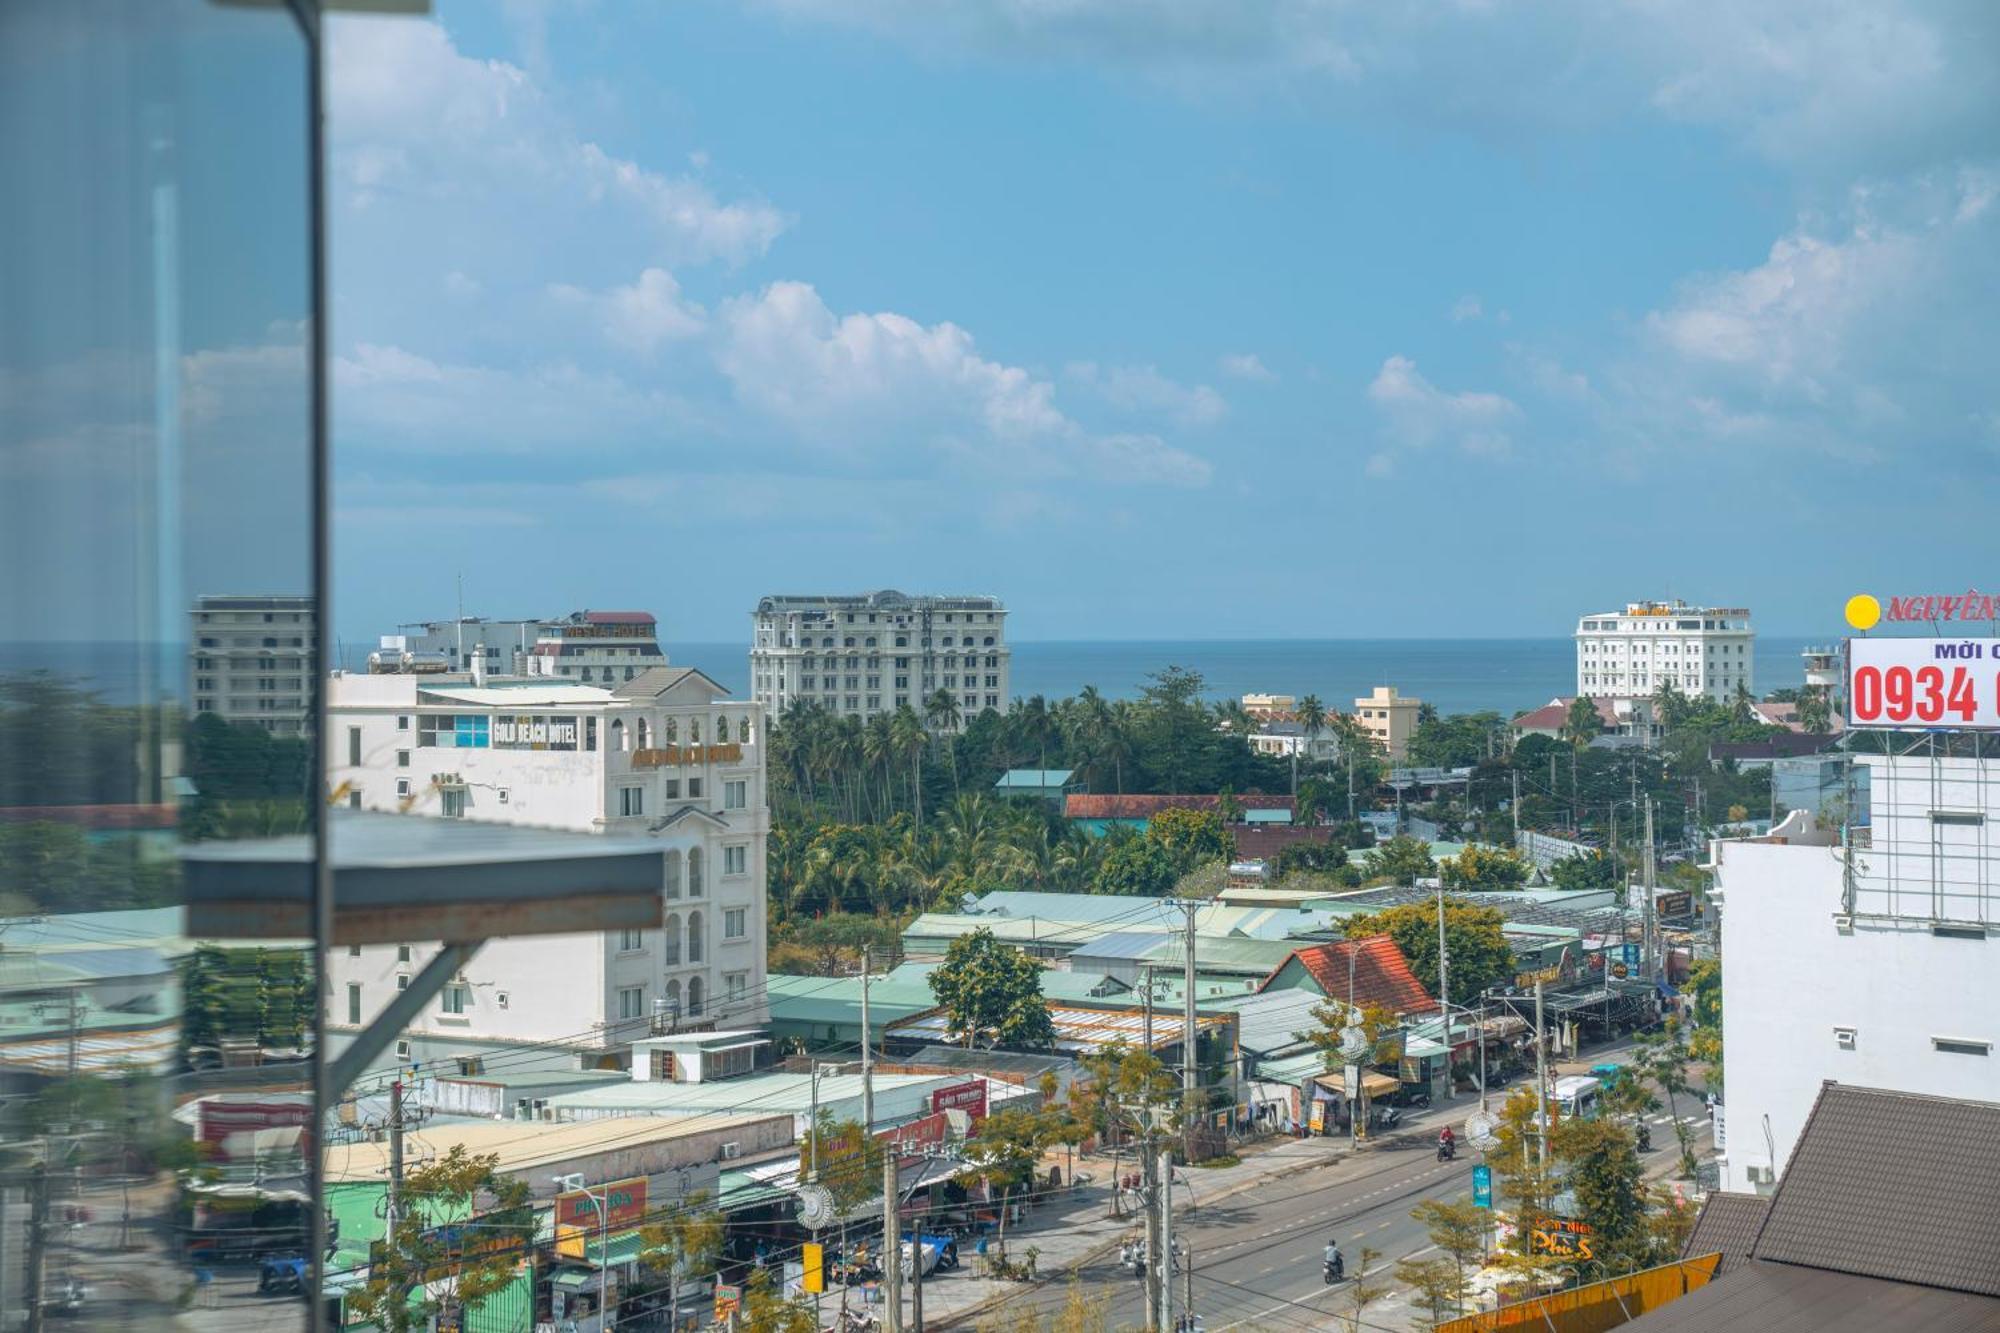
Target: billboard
624, 1200
969, 1097
1927, 684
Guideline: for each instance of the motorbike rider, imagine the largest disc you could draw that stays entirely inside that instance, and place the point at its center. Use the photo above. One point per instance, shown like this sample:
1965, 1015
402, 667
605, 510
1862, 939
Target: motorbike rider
1332, 1259
1447, 1141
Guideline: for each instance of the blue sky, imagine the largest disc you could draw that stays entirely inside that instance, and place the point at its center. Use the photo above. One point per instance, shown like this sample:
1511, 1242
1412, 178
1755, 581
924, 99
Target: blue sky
1165, 318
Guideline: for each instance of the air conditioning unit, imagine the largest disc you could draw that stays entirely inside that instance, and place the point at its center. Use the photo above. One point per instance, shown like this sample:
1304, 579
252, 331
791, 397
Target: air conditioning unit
731, 1151
1761, 1175
1844, 1038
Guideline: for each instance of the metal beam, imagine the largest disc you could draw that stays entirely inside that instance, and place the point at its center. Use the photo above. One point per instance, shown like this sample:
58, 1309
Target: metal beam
369, 1042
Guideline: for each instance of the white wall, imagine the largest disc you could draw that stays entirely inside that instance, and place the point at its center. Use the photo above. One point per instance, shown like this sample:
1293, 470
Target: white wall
1791, 977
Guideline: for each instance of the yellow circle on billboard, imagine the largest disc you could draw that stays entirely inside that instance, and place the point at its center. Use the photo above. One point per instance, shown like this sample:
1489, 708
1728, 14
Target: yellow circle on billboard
1863, 611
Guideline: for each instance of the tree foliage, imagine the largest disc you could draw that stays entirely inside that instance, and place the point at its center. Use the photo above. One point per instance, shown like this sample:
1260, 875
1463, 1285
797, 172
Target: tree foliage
1484, 869
1402, 859
1480, 955
1137, 867
1585, 872
992, 992
685, 1244
832, 945
429, 1264
1192, 836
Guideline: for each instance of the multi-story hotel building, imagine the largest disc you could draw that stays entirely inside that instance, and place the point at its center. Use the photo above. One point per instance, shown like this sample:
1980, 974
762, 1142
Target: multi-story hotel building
596, 647
503, 643
251, 659
665, 755
874, 652
1629, 654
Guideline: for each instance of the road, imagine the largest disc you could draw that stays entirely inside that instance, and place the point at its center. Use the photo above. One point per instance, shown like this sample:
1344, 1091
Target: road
1257, 1254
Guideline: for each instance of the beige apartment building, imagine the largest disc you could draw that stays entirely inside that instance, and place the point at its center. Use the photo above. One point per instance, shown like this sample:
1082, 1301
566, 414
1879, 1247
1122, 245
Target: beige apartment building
1390, 718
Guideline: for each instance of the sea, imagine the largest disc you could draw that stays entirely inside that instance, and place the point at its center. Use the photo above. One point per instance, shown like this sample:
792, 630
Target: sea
1453, 675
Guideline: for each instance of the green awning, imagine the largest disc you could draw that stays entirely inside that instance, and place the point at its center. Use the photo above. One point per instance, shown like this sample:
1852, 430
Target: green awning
574, 1279
625, 1247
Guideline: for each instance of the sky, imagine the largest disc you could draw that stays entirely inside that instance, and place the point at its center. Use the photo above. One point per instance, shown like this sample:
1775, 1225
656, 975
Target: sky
1165, 318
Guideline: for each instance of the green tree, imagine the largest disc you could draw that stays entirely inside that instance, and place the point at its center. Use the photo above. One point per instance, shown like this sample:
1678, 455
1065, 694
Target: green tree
1601, 1166
1137, 867
1581, 724
1193, 836
1663, 1057
1815, 711
767, 1311
1481, 958
1003, 1152
1586, 872
1436, 1286
1458, 1228
1403, 859
429, 1266
1704, 984
683, 1245
831, 946
1482, 869
992, 992
1363, 1290
1524, 1187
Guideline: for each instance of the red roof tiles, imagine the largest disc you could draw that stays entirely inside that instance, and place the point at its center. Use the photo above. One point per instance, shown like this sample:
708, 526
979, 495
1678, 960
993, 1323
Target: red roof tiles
1381, 975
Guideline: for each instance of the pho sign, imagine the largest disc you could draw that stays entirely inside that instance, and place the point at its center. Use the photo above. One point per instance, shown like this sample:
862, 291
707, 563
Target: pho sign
624, 1200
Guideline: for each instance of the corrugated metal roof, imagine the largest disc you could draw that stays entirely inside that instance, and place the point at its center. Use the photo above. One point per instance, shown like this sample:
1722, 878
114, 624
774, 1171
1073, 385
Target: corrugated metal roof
838, 999
520, 1147
1273, 1020
1075, 907
759, 1094
1077, 1029
1034, 777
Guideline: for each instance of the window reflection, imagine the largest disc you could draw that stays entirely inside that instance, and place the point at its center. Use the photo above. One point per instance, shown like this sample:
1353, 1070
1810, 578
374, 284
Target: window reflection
160, 655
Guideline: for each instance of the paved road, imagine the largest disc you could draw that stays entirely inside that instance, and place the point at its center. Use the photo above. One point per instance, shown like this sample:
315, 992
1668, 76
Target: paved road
1257, 1254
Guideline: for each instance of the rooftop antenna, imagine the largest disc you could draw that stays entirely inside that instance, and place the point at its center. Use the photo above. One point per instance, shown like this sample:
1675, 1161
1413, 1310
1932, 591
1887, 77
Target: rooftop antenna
459, 623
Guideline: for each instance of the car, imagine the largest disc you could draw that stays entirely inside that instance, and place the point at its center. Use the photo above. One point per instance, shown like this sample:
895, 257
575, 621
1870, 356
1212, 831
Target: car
282, 1273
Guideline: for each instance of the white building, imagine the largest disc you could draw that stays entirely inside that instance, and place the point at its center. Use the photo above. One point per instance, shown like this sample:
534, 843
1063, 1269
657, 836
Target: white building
503, 643
664, 754
1697, 650
875, 652
251, 659
1878, 967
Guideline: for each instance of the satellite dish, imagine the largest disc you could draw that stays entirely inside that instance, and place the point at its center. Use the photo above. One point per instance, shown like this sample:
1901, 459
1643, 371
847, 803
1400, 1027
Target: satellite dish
1479, 1127
1353, 1043
815, 1207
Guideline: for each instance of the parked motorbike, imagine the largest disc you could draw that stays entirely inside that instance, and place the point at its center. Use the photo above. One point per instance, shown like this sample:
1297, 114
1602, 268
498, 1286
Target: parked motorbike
1388, 1118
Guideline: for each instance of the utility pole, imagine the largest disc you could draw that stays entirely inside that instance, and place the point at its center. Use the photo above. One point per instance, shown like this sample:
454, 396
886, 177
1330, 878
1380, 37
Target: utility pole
917, 1261
1516, 807
1146, 979
892, 1234
1151, 1171
1541, 1090
395, 1197
38, 1240
1190, 1031
1444, 991
1646, 911
1165, 1254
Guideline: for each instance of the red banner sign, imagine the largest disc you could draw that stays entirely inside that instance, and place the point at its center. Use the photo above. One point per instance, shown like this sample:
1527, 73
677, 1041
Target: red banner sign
927, 1132
624, 1200
967, 1097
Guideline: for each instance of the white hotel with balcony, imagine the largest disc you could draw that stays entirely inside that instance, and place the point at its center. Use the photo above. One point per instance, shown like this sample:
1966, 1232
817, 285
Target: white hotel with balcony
1699, 650
872, 653
664, 755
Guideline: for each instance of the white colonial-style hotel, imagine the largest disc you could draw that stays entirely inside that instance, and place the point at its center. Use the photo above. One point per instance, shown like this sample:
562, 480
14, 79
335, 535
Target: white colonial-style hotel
665, 754
1697, 650
874, 652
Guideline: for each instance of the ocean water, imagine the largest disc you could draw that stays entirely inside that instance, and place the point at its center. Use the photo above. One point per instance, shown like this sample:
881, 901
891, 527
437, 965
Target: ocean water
1456, 675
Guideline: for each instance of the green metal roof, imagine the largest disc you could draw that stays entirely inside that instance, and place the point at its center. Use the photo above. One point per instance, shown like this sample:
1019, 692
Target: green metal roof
837, 1000
1034, 778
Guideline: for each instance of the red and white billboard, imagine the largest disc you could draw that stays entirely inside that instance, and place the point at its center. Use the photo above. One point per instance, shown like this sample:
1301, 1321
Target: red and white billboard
1927, 684
969, 1097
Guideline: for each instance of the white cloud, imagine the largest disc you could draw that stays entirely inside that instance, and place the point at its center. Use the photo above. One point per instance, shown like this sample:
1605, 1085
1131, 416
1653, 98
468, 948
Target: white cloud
1885, 83
1418, 414
642, 315
1247, 366
1466, 308
1143, 390
849, 381
410, 115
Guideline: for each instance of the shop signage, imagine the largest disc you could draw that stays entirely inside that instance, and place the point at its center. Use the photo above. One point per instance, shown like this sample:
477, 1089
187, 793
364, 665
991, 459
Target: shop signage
1924, 684
687, 756
728, 1300
969, 1097
529, 732
1676, 904
925, 1132
461, 1243
1562, 1238
625, 1206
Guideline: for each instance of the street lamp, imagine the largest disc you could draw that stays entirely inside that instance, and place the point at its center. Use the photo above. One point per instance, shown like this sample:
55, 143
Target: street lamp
574, 1181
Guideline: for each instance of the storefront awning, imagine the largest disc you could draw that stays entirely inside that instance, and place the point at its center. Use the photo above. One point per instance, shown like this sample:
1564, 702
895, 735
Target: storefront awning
625, 1247
1372, 1083
574, 1279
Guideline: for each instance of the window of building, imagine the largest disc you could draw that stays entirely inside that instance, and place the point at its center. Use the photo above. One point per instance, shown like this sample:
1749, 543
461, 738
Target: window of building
631, 941
737, 984
454, 802
694, 870
694, 937
673, 788
733, 923
402, 786
402, 981
694, 789
673, 879
402, 759
354, 747
735, 794
354, 1003
631, 1002
590, 733
695, 999
670, 946
453, 998
735, 860
631, 800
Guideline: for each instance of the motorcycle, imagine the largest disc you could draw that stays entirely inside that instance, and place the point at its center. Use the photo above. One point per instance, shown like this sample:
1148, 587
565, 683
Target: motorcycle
1388, 1117
1335, 1271
1447, 1149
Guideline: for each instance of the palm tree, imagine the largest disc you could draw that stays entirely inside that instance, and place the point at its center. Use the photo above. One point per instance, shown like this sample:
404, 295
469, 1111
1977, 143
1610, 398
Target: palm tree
878, 748
941, 711
907, 730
